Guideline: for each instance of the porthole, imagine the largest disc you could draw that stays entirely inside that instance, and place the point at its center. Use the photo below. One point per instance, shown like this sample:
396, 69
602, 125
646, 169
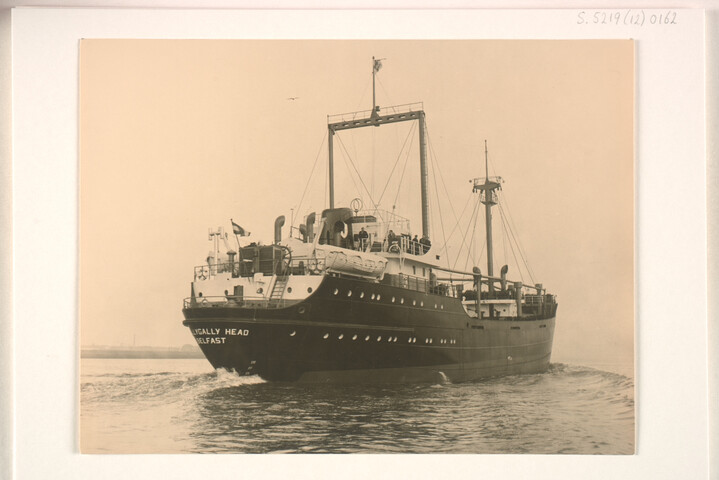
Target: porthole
336, 291
421, 304
372, 297
226, 292
361, 294
430, 340
354, 337
435, 305
414, 302
341, 336
441, 307
326, 336
200, 294
378, 296
289, 289
349, 293
409, 340
301, 310
379, 339
260, 290
426, 340
401, 300
392, 299
389, 339
309, 289
414, 340
366, 339
293, 333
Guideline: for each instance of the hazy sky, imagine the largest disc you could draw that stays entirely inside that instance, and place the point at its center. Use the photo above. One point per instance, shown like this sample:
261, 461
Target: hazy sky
177, 136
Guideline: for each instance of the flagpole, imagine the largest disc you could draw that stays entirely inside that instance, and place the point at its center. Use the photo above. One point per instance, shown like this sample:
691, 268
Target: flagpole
236, 238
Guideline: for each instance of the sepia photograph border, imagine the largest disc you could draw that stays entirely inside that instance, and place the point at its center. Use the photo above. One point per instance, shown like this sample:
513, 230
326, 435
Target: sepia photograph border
45, 404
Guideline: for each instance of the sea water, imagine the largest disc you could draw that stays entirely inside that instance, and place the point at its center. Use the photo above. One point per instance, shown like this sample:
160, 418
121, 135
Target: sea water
184, 406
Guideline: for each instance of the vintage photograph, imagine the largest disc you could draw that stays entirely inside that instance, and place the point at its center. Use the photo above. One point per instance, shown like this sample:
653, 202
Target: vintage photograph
357, 246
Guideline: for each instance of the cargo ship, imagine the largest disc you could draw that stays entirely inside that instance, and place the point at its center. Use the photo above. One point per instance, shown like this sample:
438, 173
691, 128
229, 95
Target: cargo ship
351, 296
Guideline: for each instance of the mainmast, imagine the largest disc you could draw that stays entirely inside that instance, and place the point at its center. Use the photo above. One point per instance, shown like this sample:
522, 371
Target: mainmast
488, 196
402, 113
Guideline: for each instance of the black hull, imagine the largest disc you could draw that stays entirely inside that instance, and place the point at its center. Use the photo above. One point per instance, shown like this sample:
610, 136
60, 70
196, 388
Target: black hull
343, 337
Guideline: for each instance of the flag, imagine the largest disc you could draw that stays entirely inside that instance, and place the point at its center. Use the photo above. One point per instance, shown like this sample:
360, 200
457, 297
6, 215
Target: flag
238, 230
377, 65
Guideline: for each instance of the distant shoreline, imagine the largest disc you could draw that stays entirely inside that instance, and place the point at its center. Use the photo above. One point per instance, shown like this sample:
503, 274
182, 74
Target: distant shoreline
187, 351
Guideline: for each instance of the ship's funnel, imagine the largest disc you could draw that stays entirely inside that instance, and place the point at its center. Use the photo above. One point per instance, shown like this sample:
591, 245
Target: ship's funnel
279, 222
503, 273
310, 227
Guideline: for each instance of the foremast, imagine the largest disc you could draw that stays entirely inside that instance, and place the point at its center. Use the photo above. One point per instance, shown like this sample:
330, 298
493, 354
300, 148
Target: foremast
488, 196
401, 113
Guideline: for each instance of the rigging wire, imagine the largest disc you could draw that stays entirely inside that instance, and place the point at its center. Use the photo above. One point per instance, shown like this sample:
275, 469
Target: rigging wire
519, 243
449, 200
526, 265
366, 86
385, 91
512, 227
310, 177
357, 172
436, 191
504, 221
401, 178
412, 131
472, 224
457, 224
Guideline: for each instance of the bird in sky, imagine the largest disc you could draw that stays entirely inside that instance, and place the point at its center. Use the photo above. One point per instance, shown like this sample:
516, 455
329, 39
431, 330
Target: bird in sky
292, 98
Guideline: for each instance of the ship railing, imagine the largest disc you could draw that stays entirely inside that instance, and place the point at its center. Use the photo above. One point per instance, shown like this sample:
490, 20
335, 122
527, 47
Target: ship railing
366, 114
248, 268
239, 301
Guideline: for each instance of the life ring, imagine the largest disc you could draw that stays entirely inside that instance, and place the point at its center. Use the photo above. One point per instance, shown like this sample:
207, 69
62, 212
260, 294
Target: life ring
394, 248
345, 230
